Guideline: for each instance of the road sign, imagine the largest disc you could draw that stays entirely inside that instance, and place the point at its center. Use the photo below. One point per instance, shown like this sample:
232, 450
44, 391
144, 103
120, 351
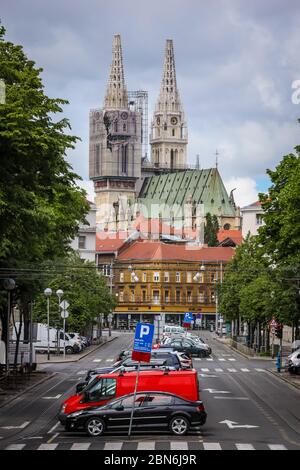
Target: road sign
198, 321
110, 317
64, 305
143, 337
64, 314
188, 317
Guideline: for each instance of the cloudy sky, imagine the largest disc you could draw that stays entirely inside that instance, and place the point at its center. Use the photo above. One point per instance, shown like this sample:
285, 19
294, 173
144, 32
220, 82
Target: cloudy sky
236, 63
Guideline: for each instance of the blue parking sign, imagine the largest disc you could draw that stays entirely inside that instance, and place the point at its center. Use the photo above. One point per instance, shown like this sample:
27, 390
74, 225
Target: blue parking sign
143, 337
188, 317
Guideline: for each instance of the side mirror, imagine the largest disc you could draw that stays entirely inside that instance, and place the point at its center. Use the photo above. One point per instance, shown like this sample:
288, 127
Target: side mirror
119, 408
80, 387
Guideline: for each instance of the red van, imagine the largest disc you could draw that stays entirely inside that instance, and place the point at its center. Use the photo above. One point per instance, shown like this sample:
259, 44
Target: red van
105, 387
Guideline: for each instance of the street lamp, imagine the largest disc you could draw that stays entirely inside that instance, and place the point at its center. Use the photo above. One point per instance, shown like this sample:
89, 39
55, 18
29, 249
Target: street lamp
59, 294
9, 285
48, 293
134, 278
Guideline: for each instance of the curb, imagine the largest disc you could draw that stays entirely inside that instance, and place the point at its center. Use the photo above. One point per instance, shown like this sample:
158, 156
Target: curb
256, 358
27, 389
277, 374
79, 358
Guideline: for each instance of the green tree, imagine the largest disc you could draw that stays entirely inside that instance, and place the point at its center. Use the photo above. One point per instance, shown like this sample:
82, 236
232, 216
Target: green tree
85, 290
211, 230
41, 205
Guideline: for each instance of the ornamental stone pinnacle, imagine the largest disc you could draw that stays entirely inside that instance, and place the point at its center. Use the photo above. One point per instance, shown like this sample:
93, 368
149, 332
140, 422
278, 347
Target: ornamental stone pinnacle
116, 94
169, 99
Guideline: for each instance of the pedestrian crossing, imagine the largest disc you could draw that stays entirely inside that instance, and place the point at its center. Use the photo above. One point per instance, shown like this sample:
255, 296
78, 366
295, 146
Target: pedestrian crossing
207, 359
146, 445
232, 370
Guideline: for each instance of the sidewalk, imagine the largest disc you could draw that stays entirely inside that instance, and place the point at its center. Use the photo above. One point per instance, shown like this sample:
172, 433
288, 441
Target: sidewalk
226, 342
287, 377
43, 359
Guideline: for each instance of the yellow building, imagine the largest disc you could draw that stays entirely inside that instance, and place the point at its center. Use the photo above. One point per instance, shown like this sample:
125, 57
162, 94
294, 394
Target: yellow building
156, 279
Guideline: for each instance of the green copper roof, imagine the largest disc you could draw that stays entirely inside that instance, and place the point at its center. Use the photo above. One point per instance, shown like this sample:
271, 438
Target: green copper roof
202, 186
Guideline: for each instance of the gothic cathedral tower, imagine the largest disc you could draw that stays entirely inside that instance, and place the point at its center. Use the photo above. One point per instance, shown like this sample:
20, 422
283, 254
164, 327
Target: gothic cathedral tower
114, 146
168, 136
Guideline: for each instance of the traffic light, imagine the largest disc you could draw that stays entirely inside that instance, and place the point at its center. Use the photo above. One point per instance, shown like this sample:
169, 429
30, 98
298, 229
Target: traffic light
278, 331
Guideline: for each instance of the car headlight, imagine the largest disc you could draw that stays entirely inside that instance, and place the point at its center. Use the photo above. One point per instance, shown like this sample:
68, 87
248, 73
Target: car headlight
74, 415
63, 407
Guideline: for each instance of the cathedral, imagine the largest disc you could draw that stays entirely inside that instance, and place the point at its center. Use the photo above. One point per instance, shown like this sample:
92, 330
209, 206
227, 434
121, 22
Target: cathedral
130, 186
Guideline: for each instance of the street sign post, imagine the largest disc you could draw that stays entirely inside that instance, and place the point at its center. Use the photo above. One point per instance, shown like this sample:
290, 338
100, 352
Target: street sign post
64, 305
188, 319
141, 352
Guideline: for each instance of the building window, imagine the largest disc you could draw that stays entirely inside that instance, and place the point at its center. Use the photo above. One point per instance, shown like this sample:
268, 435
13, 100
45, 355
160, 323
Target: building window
156, 277
167, 296
189, 296
227, 227
81, 242
188, 277
121, 296
201, 297
144, 295
178, 277
106, 269
177, 296
144, 277
132, 295
156, 297
121, 277
259, 219
167, 277
173, 132
213, 277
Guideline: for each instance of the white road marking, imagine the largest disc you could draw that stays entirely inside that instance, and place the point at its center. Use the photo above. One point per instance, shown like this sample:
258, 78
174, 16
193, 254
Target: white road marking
212, 390
276, 447
210, 359
260, 370
211, 446
82, 372
54, 427
205, 370
15, 447
210, 376
80, 446
219, 370
231, 370
231, 359
113, 446
245, 370
232, 398
47, 447
52, 398
244, 447
16, 427
234, 424
97, 360
197, 359
221, 359
177, 445
149, 445
109, 360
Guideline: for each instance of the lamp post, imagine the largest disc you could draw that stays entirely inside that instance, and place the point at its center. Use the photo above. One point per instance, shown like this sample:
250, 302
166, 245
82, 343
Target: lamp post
134, 278
48, 293
199, 274
59, 294
9, 285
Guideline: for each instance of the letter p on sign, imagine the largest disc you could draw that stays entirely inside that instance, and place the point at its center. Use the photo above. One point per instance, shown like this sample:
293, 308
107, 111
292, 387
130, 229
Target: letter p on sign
145, 330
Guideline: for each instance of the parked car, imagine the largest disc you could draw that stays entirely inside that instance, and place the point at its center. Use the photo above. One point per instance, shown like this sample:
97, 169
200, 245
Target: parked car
106, 387
152, 410
122, 354
171, 329
293, 362
77, 338
187, 346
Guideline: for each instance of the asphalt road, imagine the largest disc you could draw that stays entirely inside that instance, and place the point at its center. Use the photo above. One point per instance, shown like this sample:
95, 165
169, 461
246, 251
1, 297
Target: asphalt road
248, 408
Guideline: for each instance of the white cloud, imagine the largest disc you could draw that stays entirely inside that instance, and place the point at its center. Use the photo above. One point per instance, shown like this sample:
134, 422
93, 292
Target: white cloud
88, 186
246, 190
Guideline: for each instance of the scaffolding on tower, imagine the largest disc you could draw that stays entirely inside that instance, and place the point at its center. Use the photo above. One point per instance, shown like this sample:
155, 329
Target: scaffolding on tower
138, 101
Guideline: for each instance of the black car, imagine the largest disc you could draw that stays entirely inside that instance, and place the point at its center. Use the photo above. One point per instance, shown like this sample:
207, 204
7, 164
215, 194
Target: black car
152, 410
186, 346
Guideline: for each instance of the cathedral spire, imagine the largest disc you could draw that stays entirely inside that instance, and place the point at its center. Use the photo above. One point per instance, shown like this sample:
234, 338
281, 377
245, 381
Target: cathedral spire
169, 99
116, 94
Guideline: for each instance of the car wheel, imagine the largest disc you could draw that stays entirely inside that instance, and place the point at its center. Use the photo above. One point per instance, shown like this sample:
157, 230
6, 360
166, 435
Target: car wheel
69, 350
95, 427
179, 425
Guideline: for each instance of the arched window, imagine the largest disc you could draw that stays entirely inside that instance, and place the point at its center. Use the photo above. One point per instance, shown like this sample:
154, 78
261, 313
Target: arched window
226, 227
